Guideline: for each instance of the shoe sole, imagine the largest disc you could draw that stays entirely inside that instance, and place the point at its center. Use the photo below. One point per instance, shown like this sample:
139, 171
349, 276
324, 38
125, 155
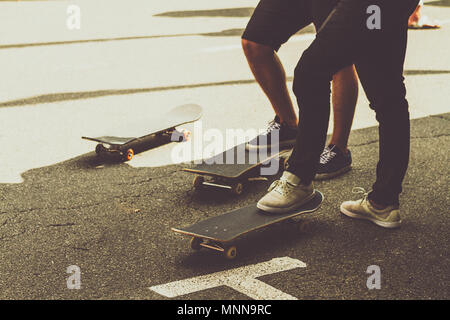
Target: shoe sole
388, 225
285, 210
325, 176
282, 145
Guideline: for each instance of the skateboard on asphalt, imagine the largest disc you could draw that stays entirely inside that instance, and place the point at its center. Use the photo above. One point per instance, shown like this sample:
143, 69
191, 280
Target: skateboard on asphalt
161, 128
219, 233
233, 168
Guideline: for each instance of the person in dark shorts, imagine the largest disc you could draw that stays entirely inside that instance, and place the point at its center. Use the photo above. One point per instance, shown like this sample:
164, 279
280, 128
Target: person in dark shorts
272, 24
372, 35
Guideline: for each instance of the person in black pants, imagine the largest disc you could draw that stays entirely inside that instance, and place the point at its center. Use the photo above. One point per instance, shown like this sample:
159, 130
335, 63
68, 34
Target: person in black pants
272, 24
372, 35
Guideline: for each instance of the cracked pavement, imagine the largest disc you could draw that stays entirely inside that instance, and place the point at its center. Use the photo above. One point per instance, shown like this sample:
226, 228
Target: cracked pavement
114, 223
61, 206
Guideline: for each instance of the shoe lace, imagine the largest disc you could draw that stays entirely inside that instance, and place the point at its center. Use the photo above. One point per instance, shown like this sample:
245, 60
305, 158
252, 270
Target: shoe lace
327, 155
359, 190
273, 125
281, 186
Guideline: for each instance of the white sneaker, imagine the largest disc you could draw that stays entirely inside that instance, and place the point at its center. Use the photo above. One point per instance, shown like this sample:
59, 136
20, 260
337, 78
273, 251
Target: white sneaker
363, 209
286, 194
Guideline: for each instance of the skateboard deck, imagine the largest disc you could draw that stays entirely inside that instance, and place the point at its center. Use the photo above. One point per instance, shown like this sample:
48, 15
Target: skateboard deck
218, 233
235, 166
162, 126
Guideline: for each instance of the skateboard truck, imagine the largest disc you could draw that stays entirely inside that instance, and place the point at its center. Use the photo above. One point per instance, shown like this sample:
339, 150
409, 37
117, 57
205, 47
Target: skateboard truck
103, 148
229, 252
181, 135
236, 187
235, 179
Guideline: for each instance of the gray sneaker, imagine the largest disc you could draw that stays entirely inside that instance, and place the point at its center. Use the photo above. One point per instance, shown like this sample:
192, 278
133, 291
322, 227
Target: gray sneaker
362, 209
286, 194
276, 135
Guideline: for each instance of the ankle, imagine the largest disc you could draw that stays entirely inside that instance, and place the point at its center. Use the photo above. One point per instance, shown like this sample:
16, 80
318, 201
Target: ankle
295, 180
290, 123
341, 146
376, 205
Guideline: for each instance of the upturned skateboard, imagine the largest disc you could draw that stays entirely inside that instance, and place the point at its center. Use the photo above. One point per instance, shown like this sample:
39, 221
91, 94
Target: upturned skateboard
219, 233
162, 128
233, 168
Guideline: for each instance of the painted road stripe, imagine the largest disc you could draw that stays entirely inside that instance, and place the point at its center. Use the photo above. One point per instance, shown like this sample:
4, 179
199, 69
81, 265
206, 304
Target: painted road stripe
242, 279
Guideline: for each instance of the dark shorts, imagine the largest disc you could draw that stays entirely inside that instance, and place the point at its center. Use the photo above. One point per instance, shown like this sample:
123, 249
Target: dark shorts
274, 21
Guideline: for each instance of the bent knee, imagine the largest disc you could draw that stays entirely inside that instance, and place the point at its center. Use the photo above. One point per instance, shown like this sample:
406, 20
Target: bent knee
254, 49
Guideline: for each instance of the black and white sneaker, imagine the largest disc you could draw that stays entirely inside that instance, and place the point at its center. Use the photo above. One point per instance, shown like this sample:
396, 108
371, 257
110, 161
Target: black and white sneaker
333, 162
286, 137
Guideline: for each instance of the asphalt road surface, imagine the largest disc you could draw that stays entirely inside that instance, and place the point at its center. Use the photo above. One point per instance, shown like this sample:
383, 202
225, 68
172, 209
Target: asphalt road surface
109, 223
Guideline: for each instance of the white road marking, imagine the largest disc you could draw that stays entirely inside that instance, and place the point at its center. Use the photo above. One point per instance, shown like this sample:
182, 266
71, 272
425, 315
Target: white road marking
242, 279
259, 290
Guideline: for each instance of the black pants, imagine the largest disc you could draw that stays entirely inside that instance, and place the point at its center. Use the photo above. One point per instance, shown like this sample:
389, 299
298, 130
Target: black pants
347, 37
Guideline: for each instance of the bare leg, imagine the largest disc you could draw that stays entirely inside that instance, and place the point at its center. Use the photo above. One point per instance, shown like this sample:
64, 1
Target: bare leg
270, 75
418, 21
344, 98
414, 18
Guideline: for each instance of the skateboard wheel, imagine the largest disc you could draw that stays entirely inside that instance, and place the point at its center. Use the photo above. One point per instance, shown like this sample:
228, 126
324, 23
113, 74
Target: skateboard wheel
100, 149
180, 135
230, 253
129, 154
195, 243
186, 135
237, 188
198, 182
